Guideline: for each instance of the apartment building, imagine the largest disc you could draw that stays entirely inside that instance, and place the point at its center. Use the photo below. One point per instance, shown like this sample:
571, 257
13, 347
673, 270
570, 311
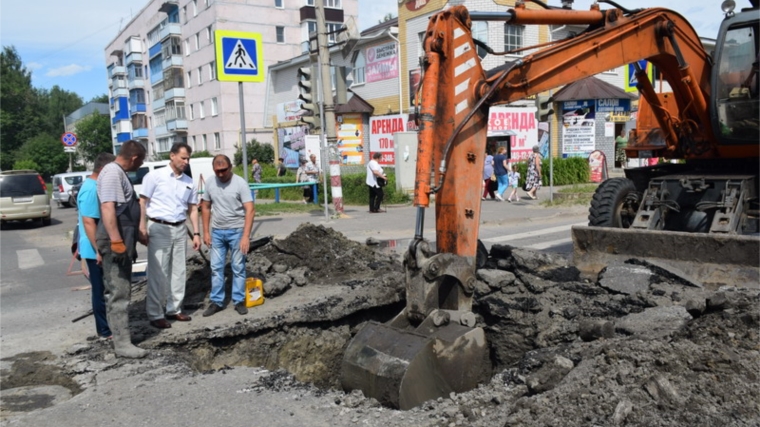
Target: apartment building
162, 72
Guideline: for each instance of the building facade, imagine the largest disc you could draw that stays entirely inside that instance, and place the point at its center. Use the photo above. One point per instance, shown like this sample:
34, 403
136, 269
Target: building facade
162, 74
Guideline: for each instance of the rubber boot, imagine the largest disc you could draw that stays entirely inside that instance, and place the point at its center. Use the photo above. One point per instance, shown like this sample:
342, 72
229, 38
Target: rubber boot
117, 280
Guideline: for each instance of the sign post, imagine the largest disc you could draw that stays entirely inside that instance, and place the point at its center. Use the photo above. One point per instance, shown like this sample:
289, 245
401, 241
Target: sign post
69, 140
240, 58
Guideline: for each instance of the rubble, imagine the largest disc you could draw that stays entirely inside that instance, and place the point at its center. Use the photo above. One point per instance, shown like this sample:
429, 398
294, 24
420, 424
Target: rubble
641, 349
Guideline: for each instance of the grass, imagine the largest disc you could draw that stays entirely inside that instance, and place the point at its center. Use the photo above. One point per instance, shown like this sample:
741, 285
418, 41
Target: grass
272, 209
573, 195
579, 188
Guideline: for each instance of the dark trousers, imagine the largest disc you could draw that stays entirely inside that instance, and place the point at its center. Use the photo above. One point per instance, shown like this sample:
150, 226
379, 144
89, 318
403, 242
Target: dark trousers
98, 297
375, 198
488, 187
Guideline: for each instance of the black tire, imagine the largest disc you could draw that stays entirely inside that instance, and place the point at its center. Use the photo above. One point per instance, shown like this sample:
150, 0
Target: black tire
46, 221
614, 204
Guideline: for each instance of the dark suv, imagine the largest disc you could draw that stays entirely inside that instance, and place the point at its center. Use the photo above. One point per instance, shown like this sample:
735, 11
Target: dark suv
23, 195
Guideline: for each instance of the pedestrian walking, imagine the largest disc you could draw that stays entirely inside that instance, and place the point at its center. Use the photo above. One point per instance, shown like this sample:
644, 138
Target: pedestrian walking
227, 228
256, 170
301, 176
374, 181
313, 172
514, 181
621, 142
281, 169
488, 178
89, 216
500, 165
168, 199
533, 178
116, 237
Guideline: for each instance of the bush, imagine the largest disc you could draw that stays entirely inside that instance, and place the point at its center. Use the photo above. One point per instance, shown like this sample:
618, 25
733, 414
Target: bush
26, 164
264, 153
572, 170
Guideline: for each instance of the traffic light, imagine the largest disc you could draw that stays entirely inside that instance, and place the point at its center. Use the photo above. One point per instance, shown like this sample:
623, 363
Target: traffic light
308, 98
544, 107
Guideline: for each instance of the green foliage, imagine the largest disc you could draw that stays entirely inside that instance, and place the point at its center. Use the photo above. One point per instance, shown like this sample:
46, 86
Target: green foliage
47, 152
202, 153
572, 170
55, 104
264, 153
19, 112
94, 136
103, 99
25, 164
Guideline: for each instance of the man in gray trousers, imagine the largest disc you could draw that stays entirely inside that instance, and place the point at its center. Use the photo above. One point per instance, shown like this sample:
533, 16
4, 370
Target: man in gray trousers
116, 237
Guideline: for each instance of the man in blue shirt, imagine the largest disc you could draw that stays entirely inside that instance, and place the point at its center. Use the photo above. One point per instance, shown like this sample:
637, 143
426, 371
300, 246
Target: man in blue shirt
89, 215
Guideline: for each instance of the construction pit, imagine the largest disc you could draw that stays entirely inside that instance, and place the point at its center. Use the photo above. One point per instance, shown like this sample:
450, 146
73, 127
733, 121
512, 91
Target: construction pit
637, 346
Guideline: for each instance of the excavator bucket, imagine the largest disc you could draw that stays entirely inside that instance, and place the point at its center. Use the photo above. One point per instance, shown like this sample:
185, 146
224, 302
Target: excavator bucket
707, 260
403, 366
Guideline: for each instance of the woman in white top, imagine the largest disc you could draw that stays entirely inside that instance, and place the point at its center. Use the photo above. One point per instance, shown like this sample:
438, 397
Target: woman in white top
374, 171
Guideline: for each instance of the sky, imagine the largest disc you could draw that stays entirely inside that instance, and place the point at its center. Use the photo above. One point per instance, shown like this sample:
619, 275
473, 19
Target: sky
62, 42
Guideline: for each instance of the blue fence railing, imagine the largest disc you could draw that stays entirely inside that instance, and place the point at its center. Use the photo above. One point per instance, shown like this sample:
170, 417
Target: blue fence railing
277, 185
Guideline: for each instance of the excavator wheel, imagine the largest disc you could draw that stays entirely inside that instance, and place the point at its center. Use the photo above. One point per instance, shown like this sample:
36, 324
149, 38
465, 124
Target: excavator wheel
614, 204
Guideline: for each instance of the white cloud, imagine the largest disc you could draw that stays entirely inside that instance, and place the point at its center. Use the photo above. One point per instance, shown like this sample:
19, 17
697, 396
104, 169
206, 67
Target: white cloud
33, 65
68, 70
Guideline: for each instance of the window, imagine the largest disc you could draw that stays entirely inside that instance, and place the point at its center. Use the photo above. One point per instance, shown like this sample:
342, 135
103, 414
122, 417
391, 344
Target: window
163, 145
480, 33
201, 111
187, 47
160, 119
513, 37
197, 41
184, 15
175, 110
217, 141
420, 46
208, 34
309, 2
195, 7
153, 36
212, 70
278, 4
280, 34
332, 32
335, 4
191, 112
205, 142
189, 78
173, 78
200, 75
214, 107
359, 64
195, 143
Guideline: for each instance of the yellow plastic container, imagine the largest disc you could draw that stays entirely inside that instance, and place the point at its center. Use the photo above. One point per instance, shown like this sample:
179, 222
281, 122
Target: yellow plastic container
254, 292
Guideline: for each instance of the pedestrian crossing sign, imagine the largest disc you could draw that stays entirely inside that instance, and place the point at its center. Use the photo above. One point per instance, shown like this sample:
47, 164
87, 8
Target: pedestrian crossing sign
630, 75
239, 56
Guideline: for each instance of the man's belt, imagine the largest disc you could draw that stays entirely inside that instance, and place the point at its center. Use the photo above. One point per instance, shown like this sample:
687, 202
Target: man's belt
160, 221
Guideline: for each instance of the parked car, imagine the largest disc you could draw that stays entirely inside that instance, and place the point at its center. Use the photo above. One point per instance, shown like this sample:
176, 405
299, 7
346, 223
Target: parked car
23, 195
62, 184
199, 167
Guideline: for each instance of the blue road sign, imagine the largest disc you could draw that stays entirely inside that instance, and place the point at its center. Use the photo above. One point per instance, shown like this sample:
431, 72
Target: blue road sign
69, 139
239, 56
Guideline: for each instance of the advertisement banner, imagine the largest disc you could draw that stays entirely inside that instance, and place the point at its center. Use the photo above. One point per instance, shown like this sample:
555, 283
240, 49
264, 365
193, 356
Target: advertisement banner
289, 111
381, 133
350, 135
597, 163
520, 123
578, 128
382, 63
292, 144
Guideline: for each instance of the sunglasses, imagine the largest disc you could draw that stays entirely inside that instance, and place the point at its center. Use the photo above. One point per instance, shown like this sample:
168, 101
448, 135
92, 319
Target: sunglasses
221, 170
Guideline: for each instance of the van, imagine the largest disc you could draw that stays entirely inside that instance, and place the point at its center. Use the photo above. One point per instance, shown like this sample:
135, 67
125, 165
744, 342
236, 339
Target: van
199, 167
62, 184
23, 195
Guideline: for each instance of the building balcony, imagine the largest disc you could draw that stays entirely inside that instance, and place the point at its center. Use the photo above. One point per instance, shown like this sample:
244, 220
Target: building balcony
158, 104
119, 92
168, 6
136, 83
140, 133
175, 92
160, 131
154, 50
172, 61
117, 70
135, 108
178, 125
133, 57
169, 30
123, 137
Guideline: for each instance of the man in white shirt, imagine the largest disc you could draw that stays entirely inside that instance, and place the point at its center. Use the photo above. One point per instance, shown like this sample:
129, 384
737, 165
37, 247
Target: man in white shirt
168, 199
312, 172
374, 171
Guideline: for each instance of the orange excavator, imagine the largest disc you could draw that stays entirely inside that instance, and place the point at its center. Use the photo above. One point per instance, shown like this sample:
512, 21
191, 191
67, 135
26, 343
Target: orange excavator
704, 206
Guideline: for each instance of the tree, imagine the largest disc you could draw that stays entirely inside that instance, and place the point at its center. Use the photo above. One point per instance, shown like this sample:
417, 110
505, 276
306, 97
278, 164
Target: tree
19, 115
94, 136
264, 153
102, 99
386, 18
47, 152
57, 103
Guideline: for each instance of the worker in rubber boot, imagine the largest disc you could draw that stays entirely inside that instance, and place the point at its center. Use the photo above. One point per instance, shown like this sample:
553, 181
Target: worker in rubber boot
117, 236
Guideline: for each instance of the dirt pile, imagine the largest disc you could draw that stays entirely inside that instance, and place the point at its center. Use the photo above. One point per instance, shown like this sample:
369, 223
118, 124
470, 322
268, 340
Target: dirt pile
637, 346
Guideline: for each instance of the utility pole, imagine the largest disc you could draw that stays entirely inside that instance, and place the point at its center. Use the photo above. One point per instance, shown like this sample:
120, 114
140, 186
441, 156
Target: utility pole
330, 151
